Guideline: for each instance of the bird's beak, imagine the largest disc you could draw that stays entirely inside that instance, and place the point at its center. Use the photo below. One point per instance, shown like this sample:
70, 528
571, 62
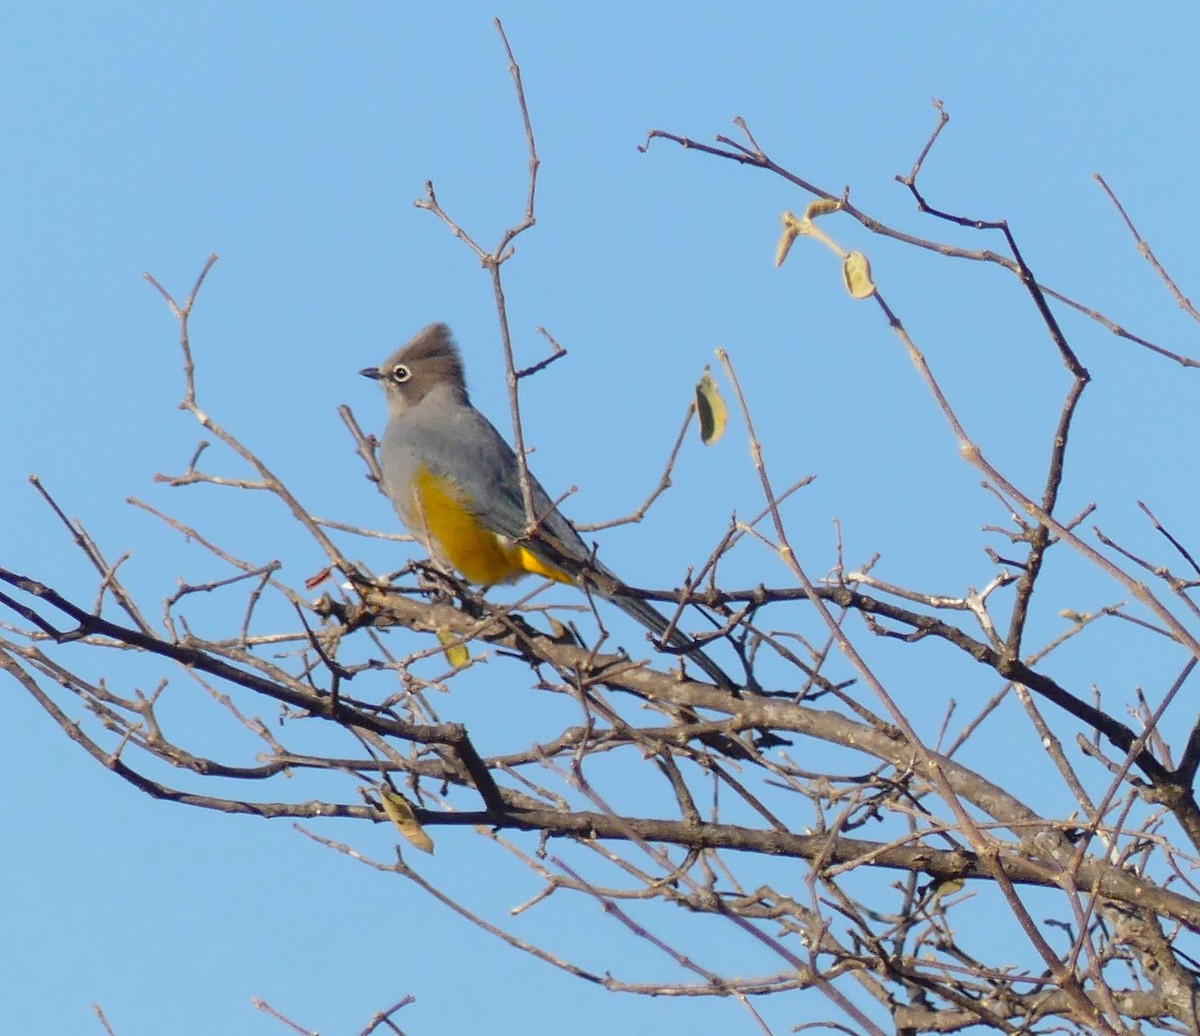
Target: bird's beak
373, 373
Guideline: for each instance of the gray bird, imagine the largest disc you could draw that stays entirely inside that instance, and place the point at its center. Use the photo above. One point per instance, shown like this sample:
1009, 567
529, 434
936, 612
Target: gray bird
455, 483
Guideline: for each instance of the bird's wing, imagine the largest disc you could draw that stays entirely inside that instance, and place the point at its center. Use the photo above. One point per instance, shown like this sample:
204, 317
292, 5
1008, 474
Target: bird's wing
466, 449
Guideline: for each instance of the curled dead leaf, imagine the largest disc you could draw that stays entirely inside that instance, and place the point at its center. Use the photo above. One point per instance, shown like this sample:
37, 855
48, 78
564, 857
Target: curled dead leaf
455, 650
711, 409
822, 207
856, 274
401, 814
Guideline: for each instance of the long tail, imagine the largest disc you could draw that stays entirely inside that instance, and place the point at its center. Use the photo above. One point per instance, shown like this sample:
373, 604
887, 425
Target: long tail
638, 608
656, 623
559, 553
652, 619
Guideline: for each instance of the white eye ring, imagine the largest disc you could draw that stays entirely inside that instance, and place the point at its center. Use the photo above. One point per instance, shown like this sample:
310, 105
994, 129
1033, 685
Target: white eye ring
401, 374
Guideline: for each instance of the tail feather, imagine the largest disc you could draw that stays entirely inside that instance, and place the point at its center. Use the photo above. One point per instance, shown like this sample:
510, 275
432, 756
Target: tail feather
650, 617
653, 619
644, 612
560, 548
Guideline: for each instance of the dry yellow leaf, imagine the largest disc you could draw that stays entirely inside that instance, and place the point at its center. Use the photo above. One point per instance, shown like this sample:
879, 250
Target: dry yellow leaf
711, 409
456, 651
792, 229
400, 813
821, 207
785, 245
856, 273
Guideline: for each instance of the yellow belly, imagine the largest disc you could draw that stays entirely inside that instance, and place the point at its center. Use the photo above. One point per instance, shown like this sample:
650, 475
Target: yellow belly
456, 536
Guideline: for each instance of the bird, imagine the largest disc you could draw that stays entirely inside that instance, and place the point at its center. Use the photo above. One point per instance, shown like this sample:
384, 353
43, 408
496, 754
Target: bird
455, 483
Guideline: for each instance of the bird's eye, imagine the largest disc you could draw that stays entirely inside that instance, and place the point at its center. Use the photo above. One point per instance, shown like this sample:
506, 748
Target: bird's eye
401, 374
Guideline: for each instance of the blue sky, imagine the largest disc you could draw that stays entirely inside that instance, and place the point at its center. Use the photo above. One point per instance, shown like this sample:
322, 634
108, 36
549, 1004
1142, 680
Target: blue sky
291, 139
